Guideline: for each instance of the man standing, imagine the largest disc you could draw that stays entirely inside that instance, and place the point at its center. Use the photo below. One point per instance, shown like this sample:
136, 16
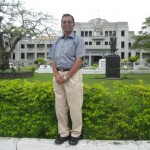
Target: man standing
67, 60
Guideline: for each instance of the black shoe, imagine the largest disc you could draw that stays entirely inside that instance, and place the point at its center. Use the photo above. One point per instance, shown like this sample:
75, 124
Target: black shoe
61, 140
74, 140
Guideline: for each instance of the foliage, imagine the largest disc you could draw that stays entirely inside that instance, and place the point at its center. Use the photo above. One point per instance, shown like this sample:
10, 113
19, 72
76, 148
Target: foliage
20, 69
95, 65
19, 23
124, 60
148, 60
142, 41
28, 110
28, 68
133, 58
39, 61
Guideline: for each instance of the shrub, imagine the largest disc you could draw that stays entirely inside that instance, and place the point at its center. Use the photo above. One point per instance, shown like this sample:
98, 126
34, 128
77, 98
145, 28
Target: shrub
28, 110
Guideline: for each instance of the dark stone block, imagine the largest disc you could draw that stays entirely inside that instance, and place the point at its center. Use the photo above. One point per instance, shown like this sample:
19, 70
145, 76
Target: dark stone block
112, 66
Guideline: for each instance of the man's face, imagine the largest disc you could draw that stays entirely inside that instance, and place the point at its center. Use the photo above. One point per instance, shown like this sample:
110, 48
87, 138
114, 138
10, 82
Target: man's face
67, 24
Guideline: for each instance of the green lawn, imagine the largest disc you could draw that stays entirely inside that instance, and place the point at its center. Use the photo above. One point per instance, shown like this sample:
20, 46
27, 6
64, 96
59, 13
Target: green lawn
99, 78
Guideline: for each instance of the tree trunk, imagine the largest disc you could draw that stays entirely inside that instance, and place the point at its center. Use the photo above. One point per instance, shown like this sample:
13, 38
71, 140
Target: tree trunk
1, 51
4, 56
4, 63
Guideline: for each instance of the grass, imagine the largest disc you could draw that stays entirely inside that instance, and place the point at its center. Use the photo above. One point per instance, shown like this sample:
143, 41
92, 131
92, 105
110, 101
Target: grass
99, 78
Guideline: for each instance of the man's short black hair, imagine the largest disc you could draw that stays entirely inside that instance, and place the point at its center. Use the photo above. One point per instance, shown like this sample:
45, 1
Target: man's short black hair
66, 15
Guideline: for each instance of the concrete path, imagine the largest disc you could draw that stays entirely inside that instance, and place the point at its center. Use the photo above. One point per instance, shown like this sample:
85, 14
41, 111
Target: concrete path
96, 71
48, 144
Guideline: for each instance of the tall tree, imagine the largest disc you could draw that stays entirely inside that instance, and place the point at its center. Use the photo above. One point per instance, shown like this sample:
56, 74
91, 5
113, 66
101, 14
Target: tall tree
142, 41
18, 23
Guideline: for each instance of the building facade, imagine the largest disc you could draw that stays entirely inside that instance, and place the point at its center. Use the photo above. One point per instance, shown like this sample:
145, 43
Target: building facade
27, 51
96, 34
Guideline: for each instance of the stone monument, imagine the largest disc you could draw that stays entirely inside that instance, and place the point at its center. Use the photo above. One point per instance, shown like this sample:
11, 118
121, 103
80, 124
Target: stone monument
113, 61
102, 64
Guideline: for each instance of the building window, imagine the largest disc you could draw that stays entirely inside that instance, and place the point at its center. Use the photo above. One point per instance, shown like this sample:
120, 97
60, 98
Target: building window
122, 55
101, 32
122, 33
40, 46
82, 33
98, 43
13, 56
30, 56
106, 43
22, 46
30, 46
86, 43
129, 54
129, 44
40, 55
90, 33
106, 33
49, 45
86, 33
90, 43
110, 33
122, 44
22, 56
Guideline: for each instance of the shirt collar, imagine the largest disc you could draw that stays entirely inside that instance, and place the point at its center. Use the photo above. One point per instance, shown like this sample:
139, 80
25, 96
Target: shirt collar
72, 35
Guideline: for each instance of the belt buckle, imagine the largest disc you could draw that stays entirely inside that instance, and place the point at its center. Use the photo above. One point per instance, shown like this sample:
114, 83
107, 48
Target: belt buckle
62, 70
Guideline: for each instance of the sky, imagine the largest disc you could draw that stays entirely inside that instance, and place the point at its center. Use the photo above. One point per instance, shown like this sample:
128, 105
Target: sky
132, 11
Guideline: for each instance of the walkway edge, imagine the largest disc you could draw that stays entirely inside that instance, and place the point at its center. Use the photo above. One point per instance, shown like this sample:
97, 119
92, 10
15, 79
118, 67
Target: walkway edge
7, 143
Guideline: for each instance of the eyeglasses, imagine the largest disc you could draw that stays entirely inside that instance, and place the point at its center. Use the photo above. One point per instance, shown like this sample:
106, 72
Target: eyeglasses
65, 22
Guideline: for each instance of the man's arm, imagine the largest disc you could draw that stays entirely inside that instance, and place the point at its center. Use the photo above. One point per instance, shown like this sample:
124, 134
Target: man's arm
59, 79
74, 68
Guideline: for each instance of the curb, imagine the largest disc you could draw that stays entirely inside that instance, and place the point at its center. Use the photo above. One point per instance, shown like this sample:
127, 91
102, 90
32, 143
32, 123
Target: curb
7, 143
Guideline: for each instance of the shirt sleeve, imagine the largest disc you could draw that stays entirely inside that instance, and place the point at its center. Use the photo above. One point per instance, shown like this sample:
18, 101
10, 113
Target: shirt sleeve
51, 52
80, 48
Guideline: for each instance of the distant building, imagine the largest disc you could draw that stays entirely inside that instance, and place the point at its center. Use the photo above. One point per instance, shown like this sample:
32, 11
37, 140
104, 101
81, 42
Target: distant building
29, 50
96, 34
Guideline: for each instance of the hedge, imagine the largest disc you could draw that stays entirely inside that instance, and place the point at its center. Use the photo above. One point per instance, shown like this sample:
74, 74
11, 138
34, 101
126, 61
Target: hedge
27, 109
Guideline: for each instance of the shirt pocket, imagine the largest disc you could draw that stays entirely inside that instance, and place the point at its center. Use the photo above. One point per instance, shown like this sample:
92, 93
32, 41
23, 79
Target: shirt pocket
70, 49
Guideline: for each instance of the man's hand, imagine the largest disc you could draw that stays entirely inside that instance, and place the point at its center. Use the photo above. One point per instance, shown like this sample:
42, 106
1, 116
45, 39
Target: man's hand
59, 79
65, 77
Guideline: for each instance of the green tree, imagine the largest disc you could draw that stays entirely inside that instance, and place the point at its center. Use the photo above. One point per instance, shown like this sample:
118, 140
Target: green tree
18, 23
133, 59
39, 61
142, 41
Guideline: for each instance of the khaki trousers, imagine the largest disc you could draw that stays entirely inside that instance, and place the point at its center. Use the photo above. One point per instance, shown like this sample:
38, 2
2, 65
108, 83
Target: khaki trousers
69, 97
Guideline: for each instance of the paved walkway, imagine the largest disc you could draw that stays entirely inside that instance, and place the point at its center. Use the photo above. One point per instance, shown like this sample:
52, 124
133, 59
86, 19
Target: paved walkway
47, 144
48, 69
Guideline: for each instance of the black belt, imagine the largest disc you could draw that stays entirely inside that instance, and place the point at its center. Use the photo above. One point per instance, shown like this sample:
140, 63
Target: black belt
67, 69
58, 69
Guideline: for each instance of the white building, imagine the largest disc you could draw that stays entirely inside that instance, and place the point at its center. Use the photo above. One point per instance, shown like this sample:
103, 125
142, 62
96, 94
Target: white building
96, 34
27, 51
